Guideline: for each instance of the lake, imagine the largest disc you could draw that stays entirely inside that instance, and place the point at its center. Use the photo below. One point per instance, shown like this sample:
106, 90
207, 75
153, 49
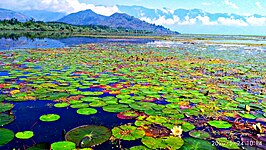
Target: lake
147, 94
26, 43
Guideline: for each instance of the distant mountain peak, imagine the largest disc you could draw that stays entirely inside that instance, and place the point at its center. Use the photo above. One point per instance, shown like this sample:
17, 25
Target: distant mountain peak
9, 14
116, 20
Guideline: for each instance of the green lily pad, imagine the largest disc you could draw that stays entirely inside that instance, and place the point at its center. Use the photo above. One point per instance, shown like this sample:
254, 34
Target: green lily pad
6, 136
197, 144
116, 108
49, 117
81, 105
86, 111
223, 142
5, 107
60, 105
186, 126
140, 147
174, 142
162, 143
97, 103
88, 136
157, 119
199, 134
248, 116
63, 145
6, 119
24, 135
153, 143
219, 124
127, 132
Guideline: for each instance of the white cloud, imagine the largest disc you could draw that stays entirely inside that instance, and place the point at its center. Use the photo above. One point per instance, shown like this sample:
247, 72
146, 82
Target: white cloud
162, 21
253, 21
188, 21
231, 22
231, 4
68, 6
259, 5
205, 20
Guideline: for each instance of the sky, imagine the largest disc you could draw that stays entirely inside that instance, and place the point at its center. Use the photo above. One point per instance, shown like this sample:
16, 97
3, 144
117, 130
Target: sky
242, 7
108, 7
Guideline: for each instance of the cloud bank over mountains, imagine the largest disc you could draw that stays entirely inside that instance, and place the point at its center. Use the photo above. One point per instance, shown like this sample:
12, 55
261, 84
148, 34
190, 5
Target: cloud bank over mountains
183, 20
66, 6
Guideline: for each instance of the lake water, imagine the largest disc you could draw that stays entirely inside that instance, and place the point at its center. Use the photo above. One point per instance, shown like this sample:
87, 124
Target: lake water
25, 43
240, 41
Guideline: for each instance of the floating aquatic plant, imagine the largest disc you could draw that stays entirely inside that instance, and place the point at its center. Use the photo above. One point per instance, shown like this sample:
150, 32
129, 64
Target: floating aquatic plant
49, 117
88, 136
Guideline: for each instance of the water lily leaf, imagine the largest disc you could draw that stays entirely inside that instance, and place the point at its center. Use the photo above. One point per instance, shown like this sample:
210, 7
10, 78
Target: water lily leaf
116, 108
186, 126
197, 144
219, 124
97, 104
86, 111
199, 134
6, 136
139, 148
63, 145
24, 135
248, 116
88, 136
60, 105
5, 107
6, 119
81, 105
157, 119
127, 115
153, 143
174, 142
127, 132
49, 117
223, 142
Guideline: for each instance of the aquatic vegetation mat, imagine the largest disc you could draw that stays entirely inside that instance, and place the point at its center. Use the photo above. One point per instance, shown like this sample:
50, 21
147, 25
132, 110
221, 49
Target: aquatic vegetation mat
174, 96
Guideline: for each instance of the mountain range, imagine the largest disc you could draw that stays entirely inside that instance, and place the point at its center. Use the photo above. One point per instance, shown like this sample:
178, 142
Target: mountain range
9, 14
117, 20
137, 17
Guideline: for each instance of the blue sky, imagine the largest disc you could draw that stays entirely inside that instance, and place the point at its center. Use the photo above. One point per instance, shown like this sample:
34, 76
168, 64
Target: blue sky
213, 6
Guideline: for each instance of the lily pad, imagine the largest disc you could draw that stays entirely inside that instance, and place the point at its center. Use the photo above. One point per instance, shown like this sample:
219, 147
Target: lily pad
6, 136
63, 145
199, 134
223, 142
219, 124
153, 143
248, 116
140, 147
24, 135
5, 107
88, 136
116, 108
127, 115
86, 111
81, 105
60, 105
197, 144
49, 117
6, 119
127, 132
